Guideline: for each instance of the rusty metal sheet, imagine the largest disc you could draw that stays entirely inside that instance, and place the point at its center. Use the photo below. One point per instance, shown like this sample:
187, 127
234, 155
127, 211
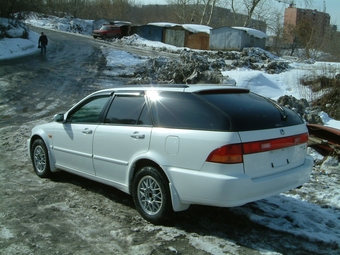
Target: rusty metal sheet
325, 140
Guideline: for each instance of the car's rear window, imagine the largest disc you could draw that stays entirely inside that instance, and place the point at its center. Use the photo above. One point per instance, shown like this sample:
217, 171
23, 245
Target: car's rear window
187, 111
249, 111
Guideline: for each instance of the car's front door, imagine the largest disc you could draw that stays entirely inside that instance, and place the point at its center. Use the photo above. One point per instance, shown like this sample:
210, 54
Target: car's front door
72, 140
125, 134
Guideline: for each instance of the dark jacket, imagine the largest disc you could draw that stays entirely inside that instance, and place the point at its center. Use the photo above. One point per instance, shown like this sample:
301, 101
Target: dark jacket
43, 40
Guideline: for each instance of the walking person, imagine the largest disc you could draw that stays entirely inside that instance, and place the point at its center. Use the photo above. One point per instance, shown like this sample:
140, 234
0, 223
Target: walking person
42, 43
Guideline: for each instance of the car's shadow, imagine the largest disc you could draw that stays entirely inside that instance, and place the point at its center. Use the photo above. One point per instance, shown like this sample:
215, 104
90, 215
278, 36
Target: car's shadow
111, 193
236, 225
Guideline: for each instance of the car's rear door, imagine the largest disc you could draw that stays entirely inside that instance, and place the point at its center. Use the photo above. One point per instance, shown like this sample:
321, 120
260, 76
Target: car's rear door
125, 134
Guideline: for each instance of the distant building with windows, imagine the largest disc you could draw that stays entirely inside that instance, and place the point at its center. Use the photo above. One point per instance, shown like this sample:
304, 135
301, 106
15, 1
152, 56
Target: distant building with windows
295, 16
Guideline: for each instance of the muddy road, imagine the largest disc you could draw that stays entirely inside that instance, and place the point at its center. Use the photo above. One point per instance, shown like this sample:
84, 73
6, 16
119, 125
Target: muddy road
71, 215
39, 83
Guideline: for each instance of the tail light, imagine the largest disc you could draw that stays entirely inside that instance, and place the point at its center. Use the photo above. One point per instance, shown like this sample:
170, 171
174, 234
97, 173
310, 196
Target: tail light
228, 154
233, 153
274, 144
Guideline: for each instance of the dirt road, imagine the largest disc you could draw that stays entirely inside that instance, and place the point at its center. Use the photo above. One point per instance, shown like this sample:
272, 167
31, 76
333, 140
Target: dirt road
39, 84
71, 215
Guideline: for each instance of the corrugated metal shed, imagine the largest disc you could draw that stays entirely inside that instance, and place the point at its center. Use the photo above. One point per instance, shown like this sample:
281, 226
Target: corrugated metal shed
174, 36
188, 35
236, 38
199, 41
149, 32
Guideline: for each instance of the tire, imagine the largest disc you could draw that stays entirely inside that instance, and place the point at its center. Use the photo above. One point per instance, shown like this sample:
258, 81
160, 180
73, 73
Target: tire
151, 194
104, 37
40, 160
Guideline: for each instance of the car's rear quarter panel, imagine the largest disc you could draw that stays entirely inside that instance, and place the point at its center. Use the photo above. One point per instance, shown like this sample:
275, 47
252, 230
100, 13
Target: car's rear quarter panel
199, 182
187, 149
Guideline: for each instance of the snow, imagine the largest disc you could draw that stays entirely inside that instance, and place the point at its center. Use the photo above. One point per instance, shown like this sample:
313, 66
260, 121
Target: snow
308, 220
317, 223
15, 47
329, 121
253, 32
163, 24
193, 28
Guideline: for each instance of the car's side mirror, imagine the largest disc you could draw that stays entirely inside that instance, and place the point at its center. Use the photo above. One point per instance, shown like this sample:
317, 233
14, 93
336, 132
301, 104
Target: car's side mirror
59, 117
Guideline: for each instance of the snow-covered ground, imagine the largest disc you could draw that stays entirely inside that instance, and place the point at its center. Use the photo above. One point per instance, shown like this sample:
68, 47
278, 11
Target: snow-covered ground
315, 218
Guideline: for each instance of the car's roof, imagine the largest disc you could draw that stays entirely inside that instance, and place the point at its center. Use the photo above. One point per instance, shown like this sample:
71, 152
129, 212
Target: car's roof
175, 87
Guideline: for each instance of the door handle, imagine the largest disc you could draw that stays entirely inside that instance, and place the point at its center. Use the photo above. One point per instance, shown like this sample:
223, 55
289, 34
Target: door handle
136, 135
87, 131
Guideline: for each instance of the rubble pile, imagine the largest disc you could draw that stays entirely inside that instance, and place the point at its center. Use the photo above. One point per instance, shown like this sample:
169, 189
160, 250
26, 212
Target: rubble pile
195, 67
190, 68
302, 107
258, 59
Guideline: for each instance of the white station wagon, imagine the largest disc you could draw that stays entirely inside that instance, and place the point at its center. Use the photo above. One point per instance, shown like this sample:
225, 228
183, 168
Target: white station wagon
171, 146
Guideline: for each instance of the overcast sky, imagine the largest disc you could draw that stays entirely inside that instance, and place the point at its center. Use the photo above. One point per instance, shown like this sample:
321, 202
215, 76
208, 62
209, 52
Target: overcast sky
332, 7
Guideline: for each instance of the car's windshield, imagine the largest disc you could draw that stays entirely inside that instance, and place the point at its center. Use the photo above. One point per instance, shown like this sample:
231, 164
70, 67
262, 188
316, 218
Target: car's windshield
104, 28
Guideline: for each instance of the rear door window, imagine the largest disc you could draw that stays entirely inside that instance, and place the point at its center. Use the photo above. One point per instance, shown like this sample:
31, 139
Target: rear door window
186, 111
128, 110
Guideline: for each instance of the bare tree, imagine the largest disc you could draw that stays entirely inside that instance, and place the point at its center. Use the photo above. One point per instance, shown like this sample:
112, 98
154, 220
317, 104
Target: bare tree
277, 41
9, 7
182, 9
250, 6
213, 3
208, 5
332, 44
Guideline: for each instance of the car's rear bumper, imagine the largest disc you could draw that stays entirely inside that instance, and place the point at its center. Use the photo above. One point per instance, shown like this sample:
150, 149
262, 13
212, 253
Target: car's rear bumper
195, 187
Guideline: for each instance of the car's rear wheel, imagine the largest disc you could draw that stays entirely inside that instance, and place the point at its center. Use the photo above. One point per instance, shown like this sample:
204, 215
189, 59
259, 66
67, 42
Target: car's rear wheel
40, 159
151, 194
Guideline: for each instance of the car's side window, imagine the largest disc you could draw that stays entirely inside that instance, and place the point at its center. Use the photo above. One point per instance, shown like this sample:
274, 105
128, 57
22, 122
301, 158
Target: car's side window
89, 112
128, 110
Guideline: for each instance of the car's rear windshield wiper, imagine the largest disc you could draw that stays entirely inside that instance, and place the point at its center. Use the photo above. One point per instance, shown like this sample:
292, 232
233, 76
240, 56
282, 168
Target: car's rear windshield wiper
283, 113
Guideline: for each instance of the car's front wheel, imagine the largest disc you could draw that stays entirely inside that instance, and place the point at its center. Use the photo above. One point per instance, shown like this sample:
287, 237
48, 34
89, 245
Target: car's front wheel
40, 159
151, 194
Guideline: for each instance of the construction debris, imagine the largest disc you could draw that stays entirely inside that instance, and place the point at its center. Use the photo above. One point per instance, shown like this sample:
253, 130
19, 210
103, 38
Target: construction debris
325, 140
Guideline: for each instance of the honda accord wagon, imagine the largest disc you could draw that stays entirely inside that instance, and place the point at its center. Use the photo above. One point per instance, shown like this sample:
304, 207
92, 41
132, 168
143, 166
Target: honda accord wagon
170, 146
